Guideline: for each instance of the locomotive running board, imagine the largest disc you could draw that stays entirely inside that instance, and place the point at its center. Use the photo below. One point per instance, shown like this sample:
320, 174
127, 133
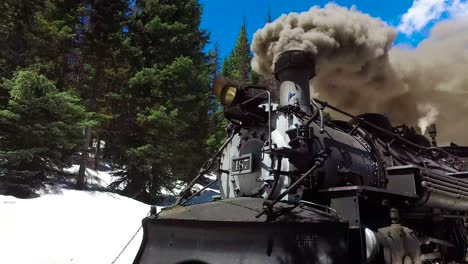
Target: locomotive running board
171, 241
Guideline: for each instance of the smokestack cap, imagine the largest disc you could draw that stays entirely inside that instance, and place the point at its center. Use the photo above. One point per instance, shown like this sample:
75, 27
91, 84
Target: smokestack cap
295, 60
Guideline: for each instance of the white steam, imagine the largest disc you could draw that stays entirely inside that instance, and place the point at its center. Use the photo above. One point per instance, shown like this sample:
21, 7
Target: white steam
429, 113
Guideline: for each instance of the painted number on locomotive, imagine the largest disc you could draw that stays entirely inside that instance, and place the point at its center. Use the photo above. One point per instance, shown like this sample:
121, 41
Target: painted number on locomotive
242, 164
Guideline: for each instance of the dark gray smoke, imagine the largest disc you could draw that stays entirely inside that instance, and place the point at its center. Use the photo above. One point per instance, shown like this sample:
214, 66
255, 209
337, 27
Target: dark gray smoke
358, 70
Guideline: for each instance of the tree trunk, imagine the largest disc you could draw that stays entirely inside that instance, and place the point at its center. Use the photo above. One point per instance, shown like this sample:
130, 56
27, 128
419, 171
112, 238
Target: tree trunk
80, 182
97, 153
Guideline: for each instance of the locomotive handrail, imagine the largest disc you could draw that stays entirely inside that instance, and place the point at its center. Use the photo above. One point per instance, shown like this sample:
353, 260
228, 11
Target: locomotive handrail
199, 191
320, 113
268, 205
395, 136
204, 169
328, 210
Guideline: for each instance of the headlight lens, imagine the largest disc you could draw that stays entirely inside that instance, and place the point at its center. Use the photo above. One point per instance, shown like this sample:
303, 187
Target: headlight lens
228, 95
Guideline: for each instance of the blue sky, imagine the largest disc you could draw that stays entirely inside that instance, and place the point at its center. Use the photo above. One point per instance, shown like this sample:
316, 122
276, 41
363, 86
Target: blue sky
412, 18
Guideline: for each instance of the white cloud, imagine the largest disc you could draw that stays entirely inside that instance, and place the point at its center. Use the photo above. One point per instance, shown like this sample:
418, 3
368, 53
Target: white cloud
420, 14
424, 11
458, 8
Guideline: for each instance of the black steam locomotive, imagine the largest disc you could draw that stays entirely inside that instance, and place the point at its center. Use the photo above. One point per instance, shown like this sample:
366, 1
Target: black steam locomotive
297, 187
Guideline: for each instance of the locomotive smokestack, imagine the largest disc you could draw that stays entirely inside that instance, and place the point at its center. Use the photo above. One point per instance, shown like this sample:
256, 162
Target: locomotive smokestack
294, 69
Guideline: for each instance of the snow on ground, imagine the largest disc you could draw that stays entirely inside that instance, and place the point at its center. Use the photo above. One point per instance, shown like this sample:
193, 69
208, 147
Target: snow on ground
211, 176
79, 227
69, 227
94, 177
205, 196
180, 186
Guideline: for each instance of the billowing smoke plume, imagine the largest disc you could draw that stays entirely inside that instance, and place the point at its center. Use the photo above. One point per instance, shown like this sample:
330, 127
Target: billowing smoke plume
436, 73
358, 70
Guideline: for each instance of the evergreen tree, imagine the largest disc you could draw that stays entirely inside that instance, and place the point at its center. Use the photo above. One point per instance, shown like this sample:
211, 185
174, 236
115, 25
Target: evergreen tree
38, 33
40, 127
16, 34
214, 56
102, 66
163, 120
143, 74
268, 20
217, 122
217, 126
42, 42
237, 65
39, 40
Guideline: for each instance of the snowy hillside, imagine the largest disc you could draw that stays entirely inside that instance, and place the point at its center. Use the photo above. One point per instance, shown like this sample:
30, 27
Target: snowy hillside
70, 226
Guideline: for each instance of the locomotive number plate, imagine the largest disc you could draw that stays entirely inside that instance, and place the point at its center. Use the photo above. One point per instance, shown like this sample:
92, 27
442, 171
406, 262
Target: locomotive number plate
242, 164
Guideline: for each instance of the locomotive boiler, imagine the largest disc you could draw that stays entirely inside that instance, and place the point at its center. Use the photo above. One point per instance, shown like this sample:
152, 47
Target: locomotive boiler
299, 187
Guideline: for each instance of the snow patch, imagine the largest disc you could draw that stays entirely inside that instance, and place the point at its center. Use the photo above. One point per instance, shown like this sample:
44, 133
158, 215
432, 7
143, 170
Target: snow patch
102, 178
180, 186
71, 227
84, 227
211, 176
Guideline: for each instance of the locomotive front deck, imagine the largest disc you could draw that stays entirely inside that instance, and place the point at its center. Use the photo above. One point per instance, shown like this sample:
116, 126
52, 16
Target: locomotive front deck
228, 232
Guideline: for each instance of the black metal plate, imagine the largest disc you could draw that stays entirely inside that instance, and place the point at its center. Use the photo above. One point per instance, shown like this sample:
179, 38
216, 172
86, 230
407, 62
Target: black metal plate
242, 164
171, 241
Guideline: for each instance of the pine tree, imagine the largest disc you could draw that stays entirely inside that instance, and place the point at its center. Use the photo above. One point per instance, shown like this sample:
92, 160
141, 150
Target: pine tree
16, 34
268, 20
142, 74
217, 126
78, 45
102, 66
40, 34
40, 127
217, 122
214, 55
163, 122
237, 65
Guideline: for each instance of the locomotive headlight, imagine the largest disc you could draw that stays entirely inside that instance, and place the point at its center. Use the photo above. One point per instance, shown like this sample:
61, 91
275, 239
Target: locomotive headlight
226, 89
218, 86
228, 95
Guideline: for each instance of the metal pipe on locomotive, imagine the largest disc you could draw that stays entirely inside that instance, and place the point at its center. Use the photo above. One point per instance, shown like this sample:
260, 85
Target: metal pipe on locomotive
297, 188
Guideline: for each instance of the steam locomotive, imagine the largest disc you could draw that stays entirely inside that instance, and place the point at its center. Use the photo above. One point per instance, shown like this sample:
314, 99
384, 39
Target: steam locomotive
298, 187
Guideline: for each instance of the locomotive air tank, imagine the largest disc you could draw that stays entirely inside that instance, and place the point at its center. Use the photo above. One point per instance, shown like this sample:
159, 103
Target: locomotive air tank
299, 188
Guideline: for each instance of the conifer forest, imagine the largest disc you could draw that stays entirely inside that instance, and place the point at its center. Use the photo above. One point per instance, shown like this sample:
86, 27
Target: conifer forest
126, 82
